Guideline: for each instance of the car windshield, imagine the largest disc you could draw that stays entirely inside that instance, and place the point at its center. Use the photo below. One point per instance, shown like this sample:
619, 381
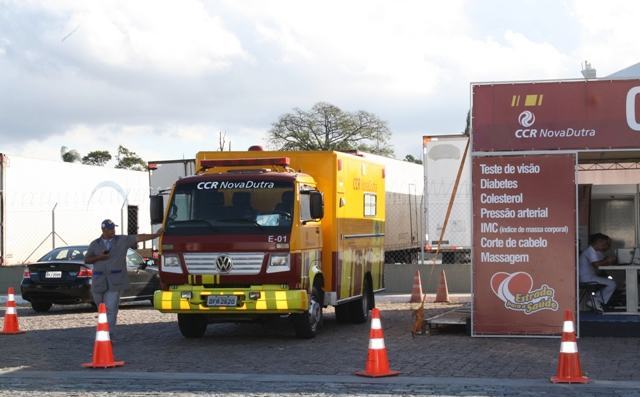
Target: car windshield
65, 254
237, 206
133, 258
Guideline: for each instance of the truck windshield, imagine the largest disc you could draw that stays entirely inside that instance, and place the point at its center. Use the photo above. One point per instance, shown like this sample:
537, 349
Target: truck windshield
237, 206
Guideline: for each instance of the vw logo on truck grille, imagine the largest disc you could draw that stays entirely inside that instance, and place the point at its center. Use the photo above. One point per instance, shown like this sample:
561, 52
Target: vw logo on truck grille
223, 263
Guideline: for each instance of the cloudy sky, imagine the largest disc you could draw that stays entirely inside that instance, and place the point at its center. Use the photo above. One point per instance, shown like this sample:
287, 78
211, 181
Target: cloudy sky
164, 78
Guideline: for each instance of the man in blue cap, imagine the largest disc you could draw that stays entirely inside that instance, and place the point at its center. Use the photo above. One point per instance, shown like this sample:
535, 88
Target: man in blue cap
108, 254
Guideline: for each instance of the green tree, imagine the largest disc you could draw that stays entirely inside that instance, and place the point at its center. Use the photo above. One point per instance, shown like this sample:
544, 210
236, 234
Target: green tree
129, 160
97, 157
69, 155
327, 127
467, 128
412, 159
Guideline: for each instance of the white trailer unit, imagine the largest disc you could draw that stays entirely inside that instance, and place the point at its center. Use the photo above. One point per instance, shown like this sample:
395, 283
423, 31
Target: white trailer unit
45, 204
163, 174
443, 155
404, 224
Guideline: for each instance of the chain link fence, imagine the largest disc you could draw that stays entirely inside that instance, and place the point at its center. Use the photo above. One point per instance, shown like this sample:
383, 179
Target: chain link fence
407, 231
30, 231
404, 227
455, 242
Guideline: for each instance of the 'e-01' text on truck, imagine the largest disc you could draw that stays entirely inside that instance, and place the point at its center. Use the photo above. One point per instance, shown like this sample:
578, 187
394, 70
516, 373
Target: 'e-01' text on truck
257, 234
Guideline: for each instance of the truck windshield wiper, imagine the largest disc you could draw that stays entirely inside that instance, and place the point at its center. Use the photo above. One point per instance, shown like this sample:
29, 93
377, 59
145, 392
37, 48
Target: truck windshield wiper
240, 220
190, 223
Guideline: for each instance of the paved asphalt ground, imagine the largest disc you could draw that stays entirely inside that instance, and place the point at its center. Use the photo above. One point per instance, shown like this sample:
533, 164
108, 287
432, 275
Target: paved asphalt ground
267, 360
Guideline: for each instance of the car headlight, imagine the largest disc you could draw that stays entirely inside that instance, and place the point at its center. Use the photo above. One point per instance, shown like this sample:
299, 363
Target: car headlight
278, 263
170, 263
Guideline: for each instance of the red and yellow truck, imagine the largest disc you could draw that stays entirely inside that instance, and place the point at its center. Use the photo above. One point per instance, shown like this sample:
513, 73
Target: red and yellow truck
270, 233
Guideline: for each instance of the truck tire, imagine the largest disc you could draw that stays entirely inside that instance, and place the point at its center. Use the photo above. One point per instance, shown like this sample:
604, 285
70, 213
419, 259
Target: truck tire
192, 325
343, 313
41, 306
308, 323
360, 307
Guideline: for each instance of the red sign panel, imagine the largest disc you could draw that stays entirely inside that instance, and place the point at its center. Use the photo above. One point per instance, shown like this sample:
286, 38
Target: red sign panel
576, 115
524, 236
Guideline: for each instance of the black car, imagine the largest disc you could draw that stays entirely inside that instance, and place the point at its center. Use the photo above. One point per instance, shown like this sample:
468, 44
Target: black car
62, 277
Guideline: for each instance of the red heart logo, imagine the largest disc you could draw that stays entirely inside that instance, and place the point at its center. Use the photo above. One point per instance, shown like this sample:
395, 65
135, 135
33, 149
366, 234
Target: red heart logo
496, 280
520, 283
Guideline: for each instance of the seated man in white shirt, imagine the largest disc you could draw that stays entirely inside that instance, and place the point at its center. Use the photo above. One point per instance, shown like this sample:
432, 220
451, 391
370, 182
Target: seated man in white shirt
593, 257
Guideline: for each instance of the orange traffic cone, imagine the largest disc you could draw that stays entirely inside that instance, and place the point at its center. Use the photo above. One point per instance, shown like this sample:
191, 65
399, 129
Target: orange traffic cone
11, 326
569, 370
377, 363
102, 349
443, 291
416, 290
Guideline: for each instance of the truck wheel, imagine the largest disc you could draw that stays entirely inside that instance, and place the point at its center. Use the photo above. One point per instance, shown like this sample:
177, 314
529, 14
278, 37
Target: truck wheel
308, 323
192, 325
343, 313
360, 307
41, 306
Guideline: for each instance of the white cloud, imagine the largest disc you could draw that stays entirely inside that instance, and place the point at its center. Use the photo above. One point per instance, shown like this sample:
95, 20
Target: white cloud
609, 34
149, 142
180, 38
164, 77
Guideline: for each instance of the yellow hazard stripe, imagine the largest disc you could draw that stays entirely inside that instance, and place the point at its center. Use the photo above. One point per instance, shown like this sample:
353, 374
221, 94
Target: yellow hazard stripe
270, 301
213, 279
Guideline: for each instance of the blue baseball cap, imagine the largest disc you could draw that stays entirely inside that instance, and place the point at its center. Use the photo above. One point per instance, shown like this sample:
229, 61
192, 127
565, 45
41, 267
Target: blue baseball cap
108, 224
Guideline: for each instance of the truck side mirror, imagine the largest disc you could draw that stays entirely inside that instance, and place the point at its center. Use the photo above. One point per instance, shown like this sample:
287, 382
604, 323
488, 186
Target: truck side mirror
156, 208
316, 204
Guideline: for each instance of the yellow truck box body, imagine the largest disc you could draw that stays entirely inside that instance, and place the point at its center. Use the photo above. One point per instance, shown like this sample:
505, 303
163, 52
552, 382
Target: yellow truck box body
352, 241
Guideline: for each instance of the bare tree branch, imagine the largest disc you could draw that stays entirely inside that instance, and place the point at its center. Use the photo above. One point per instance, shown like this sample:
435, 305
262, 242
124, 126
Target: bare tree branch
327, 127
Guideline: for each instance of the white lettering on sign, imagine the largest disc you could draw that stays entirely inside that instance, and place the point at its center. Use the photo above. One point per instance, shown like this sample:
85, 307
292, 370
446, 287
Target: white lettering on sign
632, 120
207, 185
235, 185
277, 239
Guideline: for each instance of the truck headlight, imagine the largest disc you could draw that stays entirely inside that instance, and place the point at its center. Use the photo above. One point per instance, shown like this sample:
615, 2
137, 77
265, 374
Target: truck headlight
278, 263
170, 263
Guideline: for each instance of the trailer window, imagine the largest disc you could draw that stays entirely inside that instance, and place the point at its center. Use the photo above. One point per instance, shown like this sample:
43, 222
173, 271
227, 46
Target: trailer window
369, 204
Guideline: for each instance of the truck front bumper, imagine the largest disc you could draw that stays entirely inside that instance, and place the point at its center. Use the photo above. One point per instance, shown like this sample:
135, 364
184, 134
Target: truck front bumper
262, 299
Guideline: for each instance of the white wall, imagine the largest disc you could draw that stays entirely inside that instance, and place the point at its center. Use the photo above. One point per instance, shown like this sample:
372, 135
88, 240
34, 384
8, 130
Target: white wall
85, 195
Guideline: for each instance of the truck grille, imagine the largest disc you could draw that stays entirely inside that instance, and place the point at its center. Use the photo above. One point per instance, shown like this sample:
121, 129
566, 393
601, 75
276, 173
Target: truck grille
224, 263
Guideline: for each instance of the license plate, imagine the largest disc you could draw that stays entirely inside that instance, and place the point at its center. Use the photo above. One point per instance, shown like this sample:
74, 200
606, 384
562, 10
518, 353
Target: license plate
222, 300
53, 275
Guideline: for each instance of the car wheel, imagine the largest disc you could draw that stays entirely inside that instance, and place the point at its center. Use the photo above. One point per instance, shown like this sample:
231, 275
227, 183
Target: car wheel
41, 306
192, 325
308, 323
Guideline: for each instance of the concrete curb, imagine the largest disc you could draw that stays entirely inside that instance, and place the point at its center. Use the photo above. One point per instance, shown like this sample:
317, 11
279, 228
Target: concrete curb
20, 373
19, 300
404, 298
